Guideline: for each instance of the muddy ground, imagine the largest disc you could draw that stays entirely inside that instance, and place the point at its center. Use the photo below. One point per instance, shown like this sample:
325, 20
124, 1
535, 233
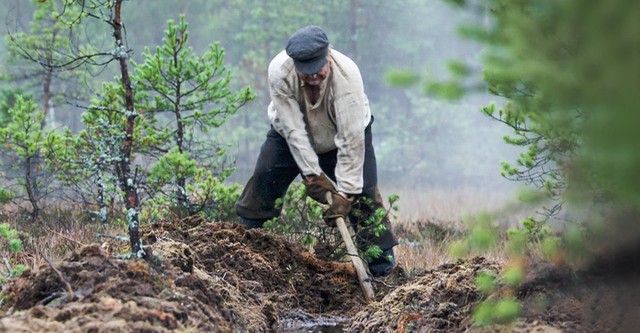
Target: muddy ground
219, 277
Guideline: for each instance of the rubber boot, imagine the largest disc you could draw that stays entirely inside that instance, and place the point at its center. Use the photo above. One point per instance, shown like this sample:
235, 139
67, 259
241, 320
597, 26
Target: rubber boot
382, 265
251, 224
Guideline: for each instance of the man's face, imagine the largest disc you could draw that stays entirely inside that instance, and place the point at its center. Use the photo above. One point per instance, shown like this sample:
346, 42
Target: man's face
317, 78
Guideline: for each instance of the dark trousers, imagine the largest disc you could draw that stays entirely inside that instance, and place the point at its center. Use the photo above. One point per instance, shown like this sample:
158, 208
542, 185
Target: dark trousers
276, 169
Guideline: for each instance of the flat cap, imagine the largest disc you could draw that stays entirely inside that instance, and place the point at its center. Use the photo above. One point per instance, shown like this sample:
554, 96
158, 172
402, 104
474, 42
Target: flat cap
308, 48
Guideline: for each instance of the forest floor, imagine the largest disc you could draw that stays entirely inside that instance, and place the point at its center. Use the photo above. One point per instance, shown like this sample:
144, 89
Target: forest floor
219, 277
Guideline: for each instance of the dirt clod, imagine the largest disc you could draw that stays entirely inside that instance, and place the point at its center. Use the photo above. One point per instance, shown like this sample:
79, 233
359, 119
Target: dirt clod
438, 301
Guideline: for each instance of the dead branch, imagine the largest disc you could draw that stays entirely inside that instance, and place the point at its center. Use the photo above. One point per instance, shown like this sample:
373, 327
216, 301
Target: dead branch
66, 283
120, 238
66, 237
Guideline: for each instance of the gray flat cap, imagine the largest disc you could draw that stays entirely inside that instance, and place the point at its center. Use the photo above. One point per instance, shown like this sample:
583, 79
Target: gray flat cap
308, 48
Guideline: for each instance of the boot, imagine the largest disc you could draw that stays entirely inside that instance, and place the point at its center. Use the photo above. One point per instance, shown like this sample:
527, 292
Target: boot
382, 265
250, 224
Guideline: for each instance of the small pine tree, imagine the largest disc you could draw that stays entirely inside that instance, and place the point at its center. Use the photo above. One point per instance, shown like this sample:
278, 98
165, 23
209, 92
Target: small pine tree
182, 97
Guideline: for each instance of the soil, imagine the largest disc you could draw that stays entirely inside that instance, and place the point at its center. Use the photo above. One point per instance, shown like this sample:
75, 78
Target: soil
218, 277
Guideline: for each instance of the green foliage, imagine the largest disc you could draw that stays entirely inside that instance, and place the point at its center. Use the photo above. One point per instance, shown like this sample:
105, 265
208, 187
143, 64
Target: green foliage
171, 166
25, 142
40, 60
372, 223
373, 252
459, 248
5, 195
15, 245
506, 310
23, 135
451, 90
550, 247
524, 241
193, 91
7, 232
496, 312
570, 85
534, 228
10, 244
224, 197
301, 220
486, 282
375, 222
576, 243
482, 314
87, 161
8, 98
518, 242
458, 69
401, 78
513, 275
208, 197
482, 236
573, 121
181, 98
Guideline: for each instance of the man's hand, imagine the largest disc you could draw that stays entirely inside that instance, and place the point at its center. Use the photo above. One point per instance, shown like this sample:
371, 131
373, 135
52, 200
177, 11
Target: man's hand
340, 207
318, 186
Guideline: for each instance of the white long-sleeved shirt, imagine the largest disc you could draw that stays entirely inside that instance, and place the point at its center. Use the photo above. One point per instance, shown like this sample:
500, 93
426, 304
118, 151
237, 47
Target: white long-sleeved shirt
337, 120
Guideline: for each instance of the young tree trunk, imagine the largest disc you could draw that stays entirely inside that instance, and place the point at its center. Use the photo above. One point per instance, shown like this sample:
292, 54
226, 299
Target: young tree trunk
182, 182
30, 186
126, 177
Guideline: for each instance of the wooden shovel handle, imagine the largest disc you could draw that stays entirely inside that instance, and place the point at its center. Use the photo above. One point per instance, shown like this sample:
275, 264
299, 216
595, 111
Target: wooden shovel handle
352, 251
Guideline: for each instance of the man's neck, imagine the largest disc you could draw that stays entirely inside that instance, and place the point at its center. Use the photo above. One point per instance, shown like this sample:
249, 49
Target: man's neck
312, 92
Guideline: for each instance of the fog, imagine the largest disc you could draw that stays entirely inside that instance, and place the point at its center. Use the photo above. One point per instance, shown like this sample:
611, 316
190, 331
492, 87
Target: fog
428, 149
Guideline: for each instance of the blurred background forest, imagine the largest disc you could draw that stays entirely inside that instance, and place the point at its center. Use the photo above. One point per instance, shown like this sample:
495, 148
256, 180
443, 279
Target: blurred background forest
423, 143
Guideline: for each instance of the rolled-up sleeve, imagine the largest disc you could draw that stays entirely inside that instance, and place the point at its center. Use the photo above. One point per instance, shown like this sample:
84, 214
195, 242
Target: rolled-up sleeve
350, 106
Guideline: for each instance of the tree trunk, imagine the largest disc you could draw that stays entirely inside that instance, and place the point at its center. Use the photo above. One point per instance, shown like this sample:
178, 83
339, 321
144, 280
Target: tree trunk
126, 177
180, 179
29, 184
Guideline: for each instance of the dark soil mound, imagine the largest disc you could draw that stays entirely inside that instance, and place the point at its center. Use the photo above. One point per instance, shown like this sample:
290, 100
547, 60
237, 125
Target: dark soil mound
439, 301
603, 297
111, 295
218, 277
554, 298
213, 277
264, 266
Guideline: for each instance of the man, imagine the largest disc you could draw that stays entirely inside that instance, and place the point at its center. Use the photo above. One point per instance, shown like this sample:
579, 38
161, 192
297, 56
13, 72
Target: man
320, 129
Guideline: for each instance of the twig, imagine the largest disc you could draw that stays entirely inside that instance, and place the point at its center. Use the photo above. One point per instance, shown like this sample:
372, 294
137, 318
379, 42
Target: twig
51, 297
120, 238
65, 237
7, 265
66, 283
390, 286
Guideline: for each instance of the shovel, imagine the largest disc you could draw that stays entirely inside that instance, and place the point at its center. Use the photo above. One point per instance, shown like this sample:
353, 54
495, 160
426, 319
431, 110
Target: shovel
352, 251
